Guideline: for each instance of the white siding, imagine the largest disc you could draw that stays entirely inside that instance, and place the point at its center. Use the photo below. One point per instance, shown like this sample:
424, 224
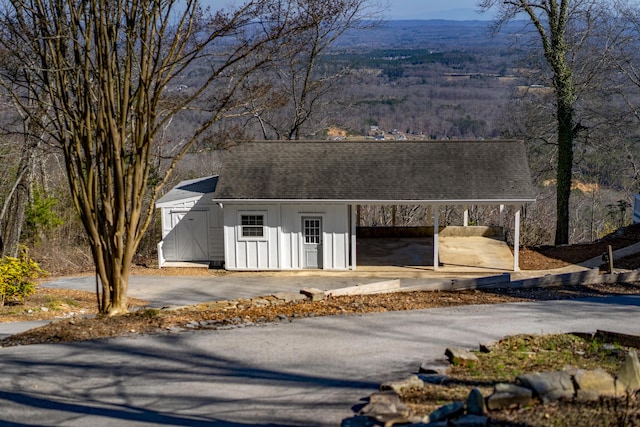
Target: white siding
214, 227
281, 247
255, 253
335, 234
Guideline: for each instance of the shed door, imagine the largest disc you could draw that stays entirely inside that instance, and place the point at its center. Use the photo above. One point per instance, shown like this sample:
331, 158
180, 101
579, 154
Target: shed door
312, 242
191, 235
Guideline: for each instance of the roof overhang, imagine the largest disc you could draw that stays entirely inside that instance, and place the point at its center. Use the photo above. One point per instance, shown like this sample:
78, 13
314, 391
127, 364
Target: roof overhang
380, 202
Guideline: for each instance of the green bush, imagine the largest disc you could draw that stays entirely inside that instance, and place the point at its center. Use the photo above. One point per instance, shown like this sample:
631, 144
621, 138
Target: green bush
16, 277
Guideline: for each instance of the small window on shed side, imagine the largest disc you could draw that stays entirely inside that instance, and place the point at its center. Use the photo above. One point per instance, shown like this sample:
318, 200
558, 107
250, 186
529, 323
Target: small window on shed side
252, 225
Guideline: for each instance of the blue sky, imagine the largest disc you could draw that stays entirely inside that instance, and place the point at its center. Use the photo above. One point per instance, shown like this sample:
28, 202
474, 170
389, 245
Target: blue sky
435, 9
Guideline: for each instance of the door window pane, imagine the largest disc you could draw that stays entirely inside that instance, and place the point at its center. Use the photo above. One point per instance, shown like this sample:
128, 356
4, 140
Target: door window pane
312, 231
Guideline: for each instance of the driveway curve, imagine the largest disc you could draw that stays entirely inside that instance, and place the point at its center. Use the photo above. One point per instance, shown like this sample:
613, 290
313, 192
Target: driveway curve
309, 372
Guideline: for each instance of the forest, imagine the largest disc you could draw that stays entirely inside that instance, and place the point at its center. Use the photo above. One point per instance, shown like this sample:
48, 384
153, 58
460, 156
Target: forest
418, 80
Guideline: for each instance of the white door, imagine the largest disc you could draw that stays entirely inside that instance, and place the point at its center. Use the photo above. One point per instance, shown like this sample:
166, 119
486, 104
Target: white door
190, 230
312, 242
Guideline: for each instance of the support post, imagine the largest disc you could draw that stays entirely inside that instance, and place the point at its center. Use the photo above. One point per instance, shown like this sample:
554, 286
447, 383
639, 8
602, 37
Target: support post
501, 215
436, 232
516, 241
465, 221
355, 215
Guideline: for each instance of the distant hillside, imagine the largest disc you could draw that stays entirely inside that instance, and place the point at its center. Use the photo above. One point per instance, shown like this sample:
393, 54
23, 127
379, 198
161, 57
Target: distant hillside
435, 34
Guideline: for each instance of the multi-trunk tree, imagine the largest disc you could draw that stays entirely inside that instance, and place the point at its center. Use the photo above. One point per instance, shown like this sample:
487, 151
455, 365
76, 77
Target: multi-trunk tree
101, 80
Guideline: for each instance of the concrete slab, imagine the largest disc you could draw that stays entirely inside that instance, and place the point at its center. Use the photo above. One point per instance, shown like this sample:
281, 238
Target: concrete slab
458, 254
475, 252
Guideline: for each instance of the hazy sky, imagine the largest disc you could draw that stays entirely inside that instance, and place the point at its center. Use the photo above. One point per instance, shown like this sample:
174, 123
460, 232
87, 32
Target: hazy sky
435, 9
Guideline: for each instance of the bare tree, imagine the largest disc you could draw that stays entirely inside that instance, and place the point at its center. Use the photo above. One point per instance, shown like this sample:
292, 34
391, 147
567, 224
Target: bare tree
299, 82
552, 20
100, 75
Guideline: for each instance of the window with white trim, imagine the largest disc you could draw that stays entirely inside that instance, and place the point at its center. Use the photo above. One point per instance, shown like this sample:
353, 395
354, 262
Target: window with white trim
252, 226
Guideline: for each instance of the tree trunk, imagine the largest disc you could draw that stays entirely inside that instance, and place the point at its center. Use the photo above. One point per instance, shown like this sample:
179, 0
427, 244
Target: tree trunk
13, 213
113, 283
565, 96
564, 172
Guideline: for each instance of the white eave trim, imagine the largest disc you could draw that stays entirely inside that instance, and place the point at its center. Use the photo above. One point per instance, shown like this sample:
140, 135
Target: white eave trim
385, 202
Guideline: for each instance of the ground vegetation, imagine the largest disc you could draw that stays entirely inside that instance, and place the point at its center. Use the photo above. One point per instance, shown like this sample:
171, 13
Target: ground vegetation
521, 354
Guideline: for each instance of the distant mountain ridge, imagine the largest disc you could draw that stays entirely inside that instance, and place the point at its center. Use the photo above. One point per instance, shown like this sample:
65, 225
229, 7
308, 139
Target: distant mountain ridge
430, 33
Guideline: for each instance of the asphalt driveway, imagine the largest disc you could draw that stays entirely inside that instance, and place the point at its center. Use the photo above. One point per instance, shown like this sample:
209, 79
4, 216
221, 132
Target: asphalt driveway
162, 291
309, 372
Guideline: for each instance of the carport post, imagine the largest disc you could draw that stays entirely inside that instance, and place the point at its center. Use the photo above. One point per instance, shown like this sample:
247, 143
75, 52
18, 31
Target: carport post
355, 217
465, 221
436, 232
516, 241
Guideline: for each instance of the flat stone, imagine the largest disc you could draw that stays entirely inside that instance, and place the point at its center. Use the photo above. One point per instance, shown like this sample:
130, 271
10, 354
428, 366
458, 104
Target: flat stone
289, 296
509, 396
434, 378
435, 367
359, 421
475, 403
260, 302
459, 355
385, 396
629, 375
445, 412
398, 386
386, 406
548, 386
469, 421
313, 294
595, 382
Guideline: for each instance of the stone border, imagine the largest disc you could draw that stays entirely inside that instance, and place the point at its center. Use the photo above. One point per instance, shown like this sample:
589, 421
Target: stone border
386, 408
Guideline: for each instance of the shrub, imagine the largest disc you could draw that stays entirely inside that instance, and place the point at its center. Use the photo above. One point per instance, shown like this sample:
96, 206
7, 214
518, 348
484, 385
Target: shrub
16, 277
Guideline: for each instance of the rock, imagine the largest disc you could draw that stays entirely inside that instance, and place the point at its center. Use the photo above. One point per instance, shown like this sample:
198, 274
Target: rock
385, 405
548, 386
260, 302
313, 294
629, 375
470, 421
459, 355
486, 347
45, 309
359, 421
289, 296
508, 396
283, 317
434, 378
445, 412
398, 386
590, 385
434, 367
475, 403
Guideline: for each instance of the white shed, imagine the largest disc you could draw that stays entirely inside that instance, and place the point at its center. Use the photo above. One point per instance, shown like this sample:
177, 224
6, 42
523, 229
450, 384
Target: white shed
192, 227
292, 205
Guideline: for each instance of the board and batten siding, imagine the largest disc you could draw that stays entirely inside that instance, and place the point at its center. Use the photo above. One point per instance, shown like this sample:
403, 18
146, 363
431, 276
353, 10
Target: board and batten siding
281, 247
213, 228
251, 253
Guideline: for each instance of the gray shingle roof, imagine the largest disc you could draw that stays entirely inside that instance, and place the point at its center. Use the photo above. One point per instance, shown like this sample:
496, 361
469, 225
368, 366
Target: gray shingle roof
190, 188
437, 171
